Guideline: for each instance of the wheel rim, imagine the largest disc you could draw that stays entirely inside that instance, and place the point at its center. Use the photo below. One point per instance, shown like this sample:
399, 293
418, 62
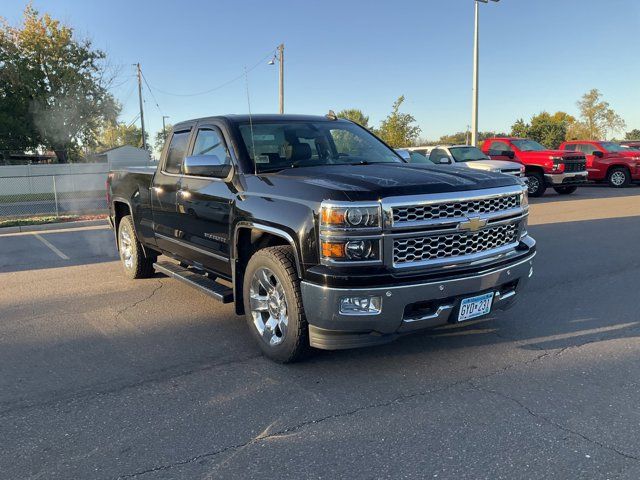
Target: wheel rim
126, 248
533, 184
268, 306
618, 178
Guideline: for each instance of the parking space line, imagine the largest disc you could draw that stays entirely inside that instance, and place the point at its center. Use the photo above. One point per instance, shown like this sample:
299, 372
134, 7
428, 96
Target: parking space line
53, 248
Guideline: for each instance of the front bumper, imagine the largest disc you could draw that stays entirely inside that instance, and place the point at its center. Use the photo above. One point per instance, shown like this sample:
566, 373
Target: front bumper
572, 178
405, 308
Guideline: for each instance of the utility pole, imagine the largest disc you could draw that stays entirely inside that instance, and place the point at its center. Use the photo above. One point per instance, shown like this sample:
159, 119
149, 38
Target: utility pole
281, 86
164, 128
476, 61
144, 140
474, 108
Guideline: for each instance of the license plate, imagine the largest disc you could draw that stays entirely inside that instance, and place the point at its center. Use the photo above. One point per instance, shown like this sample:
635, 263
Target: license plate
475, 307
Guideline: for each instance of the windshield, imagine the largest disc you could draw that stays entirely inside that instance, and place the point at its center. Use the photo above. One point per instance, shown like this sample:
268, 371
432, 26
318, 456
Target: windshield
417, 157
612, 147
467, 154
528, 145
288, 144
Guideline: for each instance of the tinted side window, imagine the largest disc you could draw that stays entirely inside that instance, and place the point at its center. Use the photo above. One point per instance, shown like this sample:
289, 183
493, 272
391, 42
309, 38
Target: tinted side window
586, 148
499, 146
437, 154
210, 142
571, 146
176, 152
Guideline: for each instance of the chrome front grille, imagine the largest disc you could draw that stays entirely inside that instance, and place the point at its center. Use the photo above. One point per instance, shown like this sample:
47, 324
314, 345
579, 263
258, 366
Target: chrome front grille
461, 209
435, 247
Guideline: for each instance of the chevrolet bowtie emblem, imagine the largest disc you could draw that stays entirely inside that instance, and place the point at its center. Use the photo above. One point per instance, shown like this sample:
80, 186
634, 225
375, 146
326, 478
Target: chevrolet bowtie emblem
473, 224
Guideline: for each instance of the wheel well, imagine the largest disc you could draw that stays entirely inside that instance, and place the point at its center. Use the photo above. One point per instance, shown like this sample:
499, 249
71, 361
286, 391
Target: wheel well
617, 165
120, 210
249, 241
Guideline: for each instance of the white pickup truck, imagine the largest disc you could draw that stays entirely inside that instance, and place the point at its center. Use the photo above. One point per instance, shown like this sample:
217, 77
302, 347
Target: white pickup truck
464, 156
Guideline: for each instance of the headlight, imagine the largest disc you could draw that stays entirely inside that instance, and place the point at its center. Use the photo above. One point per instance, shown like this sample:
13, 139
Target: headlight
558, 163
332, 217
350, 250
524, 198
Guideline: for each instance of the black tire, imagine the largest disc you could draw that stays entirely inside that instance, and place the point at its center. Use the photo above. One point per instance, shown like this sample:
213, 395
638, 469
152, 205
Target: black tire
568, 190
619, 177
279, 261
536, 184
136, 264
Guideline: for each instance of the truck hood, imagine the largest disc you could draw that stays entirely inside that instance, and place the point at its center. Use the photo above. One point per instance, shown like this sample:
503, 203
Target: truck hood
490, 164
371, 182
629, 154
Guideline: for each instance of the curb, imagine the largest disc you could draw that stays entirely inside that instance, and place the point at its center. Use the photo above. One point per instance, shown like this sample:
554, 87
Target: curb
54, 226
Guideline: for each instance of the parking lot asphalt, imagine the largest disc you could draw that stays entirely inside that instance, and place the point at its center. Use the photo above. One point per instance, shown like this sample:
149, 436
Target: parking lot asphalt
103, 377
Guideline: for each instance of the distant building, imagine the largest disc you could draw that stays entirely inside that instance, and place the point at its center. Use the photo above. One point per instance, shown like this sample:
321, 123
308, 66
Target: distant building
124, 156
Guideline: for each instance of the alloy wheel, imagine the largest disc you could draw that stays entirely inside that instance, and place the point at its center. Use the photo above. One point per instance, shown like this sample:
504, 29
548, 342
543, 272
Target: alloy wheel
126, 248
618, 178
268, 306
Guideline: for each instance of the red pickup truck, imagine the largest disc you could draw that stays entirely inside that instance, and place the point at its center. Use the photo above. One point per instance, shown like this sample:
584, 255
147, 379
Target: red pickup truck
608, 161
560, 169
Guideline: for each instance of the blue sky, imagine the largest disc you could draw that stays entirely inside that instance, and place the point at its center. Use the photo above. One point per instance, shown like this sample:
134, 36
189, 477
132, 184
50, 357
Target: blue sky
535, 55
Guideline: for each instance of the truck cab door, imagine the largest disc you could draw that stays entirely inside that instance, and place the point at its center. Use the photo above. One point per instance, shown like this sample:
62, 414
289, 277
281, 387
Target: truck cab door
204, 201
594, 165
164, 189
499, 150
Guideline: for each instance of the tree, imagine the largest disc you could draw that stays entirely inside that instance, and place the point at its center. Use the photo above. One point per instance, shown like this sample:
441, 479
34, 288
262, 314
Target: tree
597, 118
398, 129
632, 135
355, 115
549, 130
458, 138
160, 136
55, 85
118, 134
520, 129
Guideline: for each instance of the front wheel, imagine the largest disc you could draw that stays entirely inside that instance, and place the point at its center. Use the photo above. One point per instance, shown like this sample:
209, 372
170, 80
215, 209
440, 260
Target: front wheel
566, 190
619, 177
136, 264
273, 304
536, 184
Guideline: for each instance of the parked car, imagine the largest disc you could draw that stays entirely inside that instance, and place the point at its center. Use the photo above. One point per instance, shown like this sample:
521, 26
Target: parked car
467, 156
608, 161
562, 170
413, 156
321, 235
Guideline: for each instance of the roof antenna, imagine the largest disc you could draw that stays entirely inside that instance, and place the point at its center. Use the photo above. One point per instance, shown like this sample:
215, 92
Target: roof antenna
331, 115
253, 143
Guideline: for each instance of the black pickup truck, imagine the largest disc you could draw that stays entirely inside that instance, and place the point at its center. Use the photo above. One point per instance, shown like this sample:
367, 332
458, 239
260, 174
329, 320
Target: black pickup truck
321, 234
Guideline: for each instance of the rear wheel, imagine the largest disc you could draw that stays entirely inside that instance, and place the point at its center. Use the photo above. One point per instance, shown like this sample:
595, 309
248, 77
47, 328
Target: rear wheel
566, 190
619, 177
536, 184
273, 303
136, 264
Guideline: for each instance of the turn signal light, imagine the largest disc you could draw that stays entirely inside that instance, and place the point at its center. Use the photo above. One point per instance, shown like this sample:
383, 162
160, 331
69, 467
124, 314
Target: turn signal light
333, 250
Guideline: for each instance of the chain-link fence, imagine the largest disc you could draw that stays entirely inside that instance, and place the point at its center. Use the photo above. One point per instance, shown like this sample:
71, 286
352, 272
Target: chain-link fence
64, 194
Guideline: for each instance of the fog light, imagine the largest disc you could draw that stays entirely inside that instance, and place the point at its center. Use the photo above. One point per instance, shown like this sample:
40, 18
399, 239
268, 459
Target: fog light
360, 305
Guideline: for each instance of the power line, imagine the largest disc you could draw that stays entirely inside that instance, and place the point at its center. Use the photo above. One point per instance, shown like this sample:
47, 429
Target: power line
151, 92
239, 77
